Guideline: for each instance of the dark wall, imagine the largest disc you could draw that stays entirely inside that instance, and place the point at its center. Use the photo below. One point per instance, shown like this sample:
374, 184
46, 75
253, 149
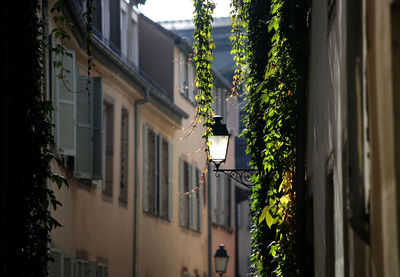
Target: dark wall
156, 54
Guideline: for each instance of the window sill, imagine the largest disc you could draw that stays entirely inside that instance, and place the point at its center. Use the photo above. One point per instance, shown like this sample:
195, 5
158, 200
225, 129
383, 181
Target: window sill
157, 217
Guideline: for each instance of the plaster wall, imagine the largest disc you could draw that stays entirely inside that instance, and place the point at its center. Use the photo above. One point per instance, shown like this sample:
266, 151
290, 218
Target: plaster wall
326, 132
93, 224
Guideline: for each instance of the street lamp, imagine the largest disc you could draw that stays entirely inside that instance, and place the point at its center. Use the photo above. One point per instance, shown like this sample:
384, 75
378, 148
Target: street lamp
221, 260
219, 143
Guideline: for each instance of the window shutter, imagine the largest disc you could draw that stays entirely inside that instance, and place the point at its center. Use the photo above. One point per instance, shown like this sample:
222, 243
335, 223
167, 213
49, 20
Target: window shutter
181, 194
223, 201
97, 14
115, 24
55, 268
192, 196
191, 82
84, 130
158, 186
170, 188
92, 269
68, 270
98, 136
181, 72
200, 195
145, 170
65, 94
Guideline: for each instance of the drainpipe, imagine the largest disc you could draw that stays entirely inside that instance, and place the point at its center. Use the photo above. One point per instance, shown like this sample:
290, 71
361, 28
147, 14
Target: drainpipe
137, 184
209, 206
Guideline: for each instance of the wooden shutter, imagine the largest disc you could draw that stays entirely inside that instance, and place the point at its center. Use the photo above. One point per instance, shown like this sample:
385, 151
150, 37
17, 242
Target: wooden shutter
92, 269
200, 195
191, 81
84, 130
68, 270
65, 107
145, 169
97, 16
181, 72
55, 267
181, 194
158, 176
170, 181
115, 24
191, 197
98, 136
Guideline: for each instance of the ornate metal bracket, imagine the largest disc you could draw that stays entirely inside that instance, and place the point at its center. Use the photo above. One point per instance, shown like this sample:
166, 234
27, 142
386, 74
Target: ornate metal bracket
240, 175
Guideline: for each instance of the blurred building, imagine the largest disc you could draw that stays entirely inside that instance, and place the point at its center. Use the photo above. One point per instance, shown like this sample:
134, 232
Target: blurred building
224, 65
352, 150
135, 205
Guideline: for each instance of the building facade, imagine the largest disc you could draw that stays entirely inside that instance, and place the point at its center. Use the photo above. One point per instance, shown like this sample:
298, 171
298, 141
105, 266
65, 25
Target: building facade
136, 204
352, 133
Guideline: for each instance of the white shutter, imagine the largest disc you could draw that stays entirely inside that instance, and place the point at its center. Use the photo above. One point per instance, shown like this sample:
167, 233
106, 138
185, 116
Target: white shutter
65, 107
56, 265
158, 186
98, 137
84, 130
68, 269
170, 182
92, 269
145, 169
181, 194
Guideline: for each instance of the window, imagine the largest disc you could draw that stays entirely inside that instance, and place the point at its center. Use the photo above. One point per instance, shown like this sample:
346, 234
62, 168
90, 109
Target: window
157, 174
221, 201
109, 148
186, 77
183, 74
78, 117
89, 137
64, 265
190, 198
64, 92
123, 188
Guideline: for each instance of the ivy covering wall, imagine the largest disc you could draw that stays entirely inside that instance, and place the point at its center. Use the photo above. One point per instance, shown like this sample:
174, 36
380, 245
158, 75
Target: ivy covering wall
270, 39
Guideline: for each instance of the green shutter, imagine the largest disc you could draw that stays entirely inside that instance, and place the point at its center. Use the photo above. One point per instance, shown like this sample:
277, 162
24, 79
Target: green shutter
145, 170
65, 108
98, 136
181, 194
170, 182
84, 130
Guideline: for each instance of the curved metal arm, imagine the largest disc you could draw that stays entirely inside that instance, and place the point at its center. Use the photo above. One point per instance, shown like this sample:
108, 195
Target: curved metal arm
240, 175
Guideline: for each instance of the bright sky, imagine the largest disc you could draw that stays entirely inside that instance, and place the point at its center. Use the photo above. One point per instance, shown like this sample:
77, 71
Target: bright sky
163, 10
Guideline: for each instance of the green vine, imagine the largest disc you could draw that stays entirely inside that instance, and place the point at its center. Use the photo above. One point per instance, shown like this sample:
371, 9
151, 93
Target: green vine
203, 58
274, 49
238, 40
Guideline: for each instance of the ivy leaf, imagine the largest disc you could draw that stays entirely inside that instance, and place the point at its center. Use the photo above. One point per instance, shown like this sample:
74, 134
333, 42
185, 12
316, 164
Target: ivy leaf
269, 219
263, 214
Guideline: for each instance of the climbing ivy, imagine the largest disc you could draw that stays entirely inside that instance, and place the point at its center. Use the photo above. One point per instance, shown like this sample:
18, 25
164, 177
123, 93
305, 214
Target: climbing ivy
203, 58
274, 49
